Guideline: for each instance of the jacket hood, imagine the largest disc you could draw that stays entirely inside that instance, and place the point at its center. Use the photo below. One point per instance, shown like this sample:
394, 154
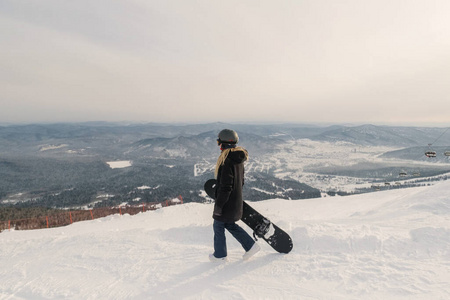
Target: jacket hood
237, 155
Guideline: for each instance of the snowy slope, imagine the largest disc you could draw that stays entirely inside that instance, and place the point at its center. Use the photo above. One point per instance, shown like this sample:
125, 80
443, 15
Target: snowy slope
385, 245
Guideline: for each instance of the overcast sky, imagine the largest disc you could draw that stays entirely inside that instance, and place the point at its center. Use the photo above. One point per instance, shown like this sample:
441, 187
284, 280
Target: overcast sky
333, 61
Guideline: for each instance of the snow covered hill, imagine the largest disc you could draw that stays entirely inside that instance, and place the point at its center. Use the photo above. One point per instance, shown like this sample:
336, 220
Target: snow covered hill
386, 245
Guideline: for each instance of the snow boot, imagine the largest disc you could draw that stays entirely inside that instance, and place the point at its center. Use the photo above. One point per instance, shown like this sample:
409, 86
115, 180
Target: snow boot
255, 249
212, 258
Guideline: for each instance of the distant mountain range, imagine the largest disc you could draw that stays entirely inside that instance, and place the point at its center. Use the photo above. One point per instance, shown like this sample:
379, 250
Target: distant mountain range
384, 135
158, 134
66, 164
141, 141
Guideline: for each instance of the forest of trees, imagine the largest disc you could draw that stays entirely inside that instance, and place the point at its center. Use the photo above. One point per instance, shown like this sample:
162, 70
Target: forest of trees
64, 183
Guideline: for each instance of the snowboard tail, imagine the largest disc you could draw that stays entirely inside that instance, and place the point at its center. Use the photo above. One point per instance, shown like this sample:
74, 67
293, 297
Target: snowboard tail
262, 227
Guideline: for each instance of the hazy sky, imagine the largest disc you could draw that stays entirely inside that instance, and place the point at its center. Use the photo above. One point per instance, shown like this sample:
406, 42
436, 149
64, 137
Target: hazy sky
335, 61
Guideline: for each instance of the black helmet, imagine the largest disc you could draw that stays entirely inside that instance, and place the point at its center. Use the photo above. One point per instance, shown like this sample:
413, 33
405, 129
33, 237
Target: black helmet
228, 136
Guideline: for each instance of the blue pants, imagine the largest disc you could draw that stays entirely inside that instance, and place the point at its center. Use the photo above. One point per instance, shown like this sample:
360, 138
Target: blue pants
220, 244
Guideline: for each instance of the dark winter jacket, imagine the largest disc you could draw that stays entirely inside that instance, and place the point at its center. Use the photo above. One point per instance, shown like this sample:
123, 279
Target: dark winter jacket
230, 179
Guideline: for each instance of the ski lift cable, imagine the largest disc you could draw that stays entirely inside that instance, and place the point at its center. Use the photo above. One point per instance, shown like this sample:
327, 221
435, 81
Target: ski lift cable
430, 150
440, 136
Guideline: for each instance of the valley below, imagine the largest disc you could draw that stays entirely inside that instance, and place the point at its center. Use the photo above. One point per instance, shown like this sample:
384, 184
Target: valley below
95, 165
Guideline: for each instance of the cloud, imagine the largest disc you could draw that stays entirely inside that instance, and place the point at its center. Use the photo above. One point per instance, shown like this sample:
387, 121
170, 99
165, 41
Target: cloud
331, 61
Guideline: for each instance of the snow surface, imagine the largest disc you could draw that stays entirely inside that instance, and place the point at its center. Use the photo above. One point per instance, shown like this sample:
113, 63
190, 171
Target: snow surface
119, 164
52, 147
383, 245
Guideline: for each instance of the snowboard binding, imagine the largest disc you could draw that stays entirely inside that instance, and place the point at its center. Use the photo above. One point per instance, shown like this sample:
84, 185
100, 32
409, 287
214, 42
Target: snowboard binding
261, 229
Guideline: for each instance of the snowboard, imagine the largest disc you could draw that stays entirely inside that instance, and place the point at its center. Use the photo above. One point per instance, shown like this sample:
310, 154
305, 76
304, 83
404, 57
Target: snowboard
262, 227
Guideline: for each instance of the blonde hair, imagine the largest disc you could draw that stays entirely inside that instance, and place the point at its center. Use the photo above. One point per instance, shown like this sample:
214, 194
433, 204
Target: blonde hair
223, 156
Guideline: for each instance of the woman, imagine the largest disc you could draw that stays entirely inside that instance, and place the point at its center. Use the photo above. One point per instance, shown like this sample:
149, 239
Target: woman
228, 207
